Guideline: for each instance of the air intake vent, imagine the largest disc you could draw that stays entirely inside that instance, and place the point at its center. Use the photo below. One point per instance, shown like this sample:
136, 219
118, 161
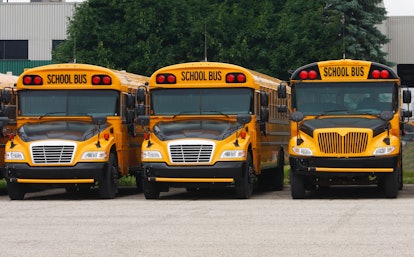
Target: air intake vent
52, 154
191, 152
350, 143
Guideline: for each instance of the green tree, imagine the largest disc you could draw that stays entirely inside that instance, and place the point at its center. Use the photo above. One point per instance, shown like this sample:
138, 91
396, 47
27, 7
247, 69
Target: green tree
361, 36
270, 36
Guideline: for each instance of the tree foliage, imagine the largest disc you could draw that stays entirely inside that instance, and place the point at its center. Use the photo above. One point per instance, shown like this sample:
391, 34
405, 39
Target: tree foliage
270, 36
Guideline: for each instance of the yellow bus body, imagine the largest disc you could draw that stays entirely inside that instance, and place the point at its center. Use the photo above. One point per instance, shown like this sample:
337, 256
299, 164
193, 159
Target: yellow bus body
7, 111
345, 126
89, 139
259, 145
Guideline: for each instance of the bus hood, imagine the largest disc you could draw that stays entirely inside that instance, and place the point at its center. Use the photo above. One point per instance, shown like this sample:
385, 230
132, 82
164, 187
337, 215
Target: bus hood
67, 130
376, 125
207, 129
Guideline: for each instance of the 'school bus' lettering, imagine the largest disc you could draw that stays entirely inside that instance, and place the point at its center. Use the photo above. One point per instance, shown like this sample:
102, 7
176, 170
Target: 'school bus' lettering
346, 71
67, 79
201, 76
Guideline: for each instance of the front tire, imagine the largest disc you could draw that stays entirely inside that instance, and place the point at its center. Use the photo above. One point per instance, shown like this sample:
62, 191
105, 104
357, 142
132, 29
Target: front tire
151, 189
16, 190
244, 185
297, 186
108, 185
391, 184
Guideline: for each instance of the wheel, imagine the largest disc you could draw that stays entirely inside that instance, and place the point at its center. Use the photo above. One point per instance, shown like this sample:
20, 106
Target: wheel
297, 186
16, 191
278, 177
108, 184
244, 185
151, 189
391, 184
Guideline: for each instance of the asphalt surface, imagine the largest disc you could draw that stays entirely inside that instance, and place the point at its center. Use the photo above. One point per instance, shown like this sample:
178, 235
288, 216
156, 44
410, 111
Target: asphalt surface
343, 221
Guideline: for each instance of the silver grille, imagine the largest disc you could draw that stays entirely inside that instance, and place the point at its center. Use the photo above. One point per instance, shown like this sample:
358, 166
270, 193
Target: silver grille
52, 154
191, 153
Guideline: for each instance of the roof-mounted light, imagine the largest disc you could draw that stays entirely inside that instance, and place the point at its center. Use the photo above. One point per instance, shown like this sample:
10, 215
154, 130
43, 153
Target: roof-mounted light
235, 78
166, 79
34, 80
101, 80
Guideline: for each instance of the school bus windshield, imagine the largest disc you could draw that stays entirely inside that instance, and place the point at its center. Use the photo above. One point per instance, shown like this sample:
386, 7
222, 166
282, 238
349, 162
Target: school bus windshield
207, 101
69, 103
345, 98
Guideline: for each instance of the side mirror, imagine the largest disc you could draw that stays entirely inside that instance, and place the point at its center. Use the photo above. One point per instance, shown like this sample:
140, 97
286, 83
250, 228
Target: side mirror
264, 114
143, 120
406, 96
243, 118
297, 116
5, 96
386, 115
406, 114
140, 109
281, 91
140, 95
264, 99
99, 120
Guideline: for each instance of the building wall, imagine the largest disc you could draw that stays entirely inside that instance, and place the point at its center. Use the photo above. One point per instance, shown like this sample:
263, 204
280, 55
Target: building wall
400, 30
40, 23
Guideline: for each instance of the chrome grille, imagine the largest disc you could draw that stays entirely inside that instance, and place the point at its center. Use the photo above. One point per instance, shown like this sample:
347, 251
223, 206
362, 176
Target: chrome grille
191, 153
350, 143
52, 154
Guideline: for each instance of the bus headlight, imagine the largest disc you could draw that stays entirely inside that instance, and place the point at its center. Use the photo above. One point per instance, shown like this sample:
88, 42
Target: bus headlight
95, 155
384, 150
233, 154
14, 156
302, 151
151, 155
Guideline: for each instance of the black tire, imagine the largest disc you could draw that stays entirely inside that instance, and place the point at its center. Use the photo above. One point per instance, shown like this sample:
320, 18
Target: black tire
391, 184
108, 184
297, 186
151, 189
244, 185
16, 191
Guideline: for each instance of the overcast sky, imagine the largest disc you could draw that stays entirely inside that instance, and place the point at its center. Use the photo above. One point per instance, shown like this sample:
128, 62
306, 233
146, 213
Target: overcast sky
399, 7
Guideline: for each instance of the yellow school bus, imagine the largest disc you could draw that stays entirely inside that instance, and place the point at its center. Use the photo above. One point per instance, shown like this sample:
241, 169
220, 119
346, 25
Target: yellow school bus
214, 125
7, 111
346, 126
75, 129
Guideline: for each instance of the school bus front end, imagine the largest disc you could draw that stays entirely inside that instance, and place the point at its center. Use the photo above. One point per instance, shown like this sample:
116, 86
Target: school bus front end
72, 131
203, 131
345, 128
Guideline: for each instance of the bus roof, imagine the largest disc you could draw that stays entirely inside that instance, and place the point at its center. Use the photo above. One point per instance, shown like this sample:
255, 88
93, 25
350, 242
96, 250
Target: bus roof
210, 74
124, 77
344, 70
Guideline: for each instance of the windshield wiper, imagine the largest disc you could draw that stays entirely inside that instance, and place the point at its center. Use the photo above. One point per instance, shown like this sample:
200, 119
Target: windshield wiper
219, 112
181, 113
330, 111
50, 113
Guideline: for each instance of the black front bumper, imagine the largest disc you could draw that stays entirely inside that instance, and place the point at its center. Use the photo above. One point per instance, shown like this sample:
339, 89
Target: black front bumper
94, 171
219, 170
362, 166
